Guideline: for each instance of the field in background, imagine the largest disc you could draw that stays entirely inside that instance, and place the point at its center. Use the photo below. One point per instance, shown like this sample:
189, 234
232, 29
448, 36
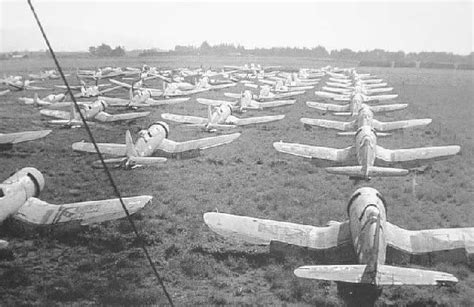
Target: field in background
103, 264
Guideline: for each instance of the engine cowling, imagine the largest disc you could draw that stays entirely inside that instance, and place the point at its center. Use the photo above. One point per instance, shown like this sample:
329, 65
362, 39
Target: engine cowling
15, 191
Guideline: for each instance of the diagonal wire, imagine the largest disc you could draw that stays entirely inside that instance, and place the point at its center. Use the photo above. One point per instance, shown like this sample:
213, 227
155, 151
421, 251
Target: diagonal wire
107, 171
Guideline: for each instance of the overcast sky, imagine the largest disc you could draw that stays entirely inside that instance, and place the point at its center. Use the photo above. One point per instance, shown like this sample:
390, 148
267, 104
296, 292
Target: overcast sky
391, 25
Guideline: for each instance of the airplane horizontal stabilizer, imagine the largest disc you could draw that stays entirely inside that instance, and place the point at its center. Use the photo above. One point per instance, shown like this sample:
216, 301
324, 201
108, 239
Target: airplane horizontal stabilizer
384, 276
146, 160
276, 103
390, 275
105, 148
342, 273
308, 151
213, 102
204, 143
374, 171
18, 137
327, 106
257, 120
331, 124
184, 118
388, 107
388, 126
38, 212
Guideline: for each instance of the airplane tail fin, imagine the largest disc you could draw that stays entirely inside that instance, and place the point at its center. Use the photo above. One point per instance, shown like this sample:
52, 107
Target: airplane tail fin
372, 171
73, 111
385, 275
35, 99
209, 113
130, 147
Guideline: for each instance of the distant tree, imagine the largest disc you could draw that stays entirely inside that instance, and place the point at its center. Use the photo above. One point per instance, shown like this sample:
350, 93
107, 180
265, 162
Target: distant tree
205, 48
118, 51
105, 50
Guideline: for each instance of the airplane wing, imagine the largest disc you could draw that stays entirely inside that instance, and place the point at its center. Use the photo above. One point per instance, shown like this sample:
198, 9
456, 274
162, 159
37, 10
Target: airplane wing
73, 87
337, 90
308, 151
18, 137
328, 106
389, 126
110, 89
263, 232
122, 84
379, 90
184, 119
255, 120
331, 95
105, 148
204, 143
331, 124
213, 102
384, 275
56, 113
115, 102
284, 95
106, 117
388, 107
186, 93
221, 86
233, 95
38, 212
382, 97
413, 154
430, 240
152, 102
276, 103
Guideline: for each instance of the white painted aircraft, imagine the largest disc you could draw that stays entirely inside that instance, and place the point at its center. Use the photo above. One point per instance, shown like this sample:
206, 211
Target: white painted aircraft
365, 152
219, 117
21, 85
40, 102
354, 106
94, 111
150, 141
364, 239
87, 91
364, 117
246, 103
47, 74
18, 200
348, 96
138, 85
7, 140
265, 94
139, 99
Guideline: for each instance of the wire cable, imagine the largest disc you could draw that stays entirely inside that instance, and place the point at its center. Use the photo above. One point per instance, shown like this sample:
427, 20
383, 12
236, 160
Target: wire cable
106, 169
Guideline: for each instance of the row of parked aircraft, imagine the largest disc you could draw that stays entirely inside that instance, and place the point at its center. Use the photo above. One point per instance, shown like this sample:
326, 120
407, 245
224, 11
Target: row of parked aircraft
351, 94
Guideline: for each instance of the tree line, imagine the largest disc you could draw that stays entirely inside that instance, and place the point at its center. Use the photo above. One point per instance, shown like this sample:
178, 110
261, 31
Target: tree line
376, 55
322, 52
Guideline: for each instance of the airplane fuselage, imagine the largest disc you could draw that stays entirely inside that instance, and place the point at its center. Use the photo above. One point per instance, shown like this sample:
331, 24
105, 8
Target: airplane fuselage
365, 145
150, 139
89, 111
365, 207
220, 114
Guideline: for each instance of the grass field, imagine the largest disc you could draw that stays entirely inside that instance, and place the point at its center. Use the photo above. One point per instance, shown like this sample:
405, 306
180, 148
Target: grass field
103, 264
